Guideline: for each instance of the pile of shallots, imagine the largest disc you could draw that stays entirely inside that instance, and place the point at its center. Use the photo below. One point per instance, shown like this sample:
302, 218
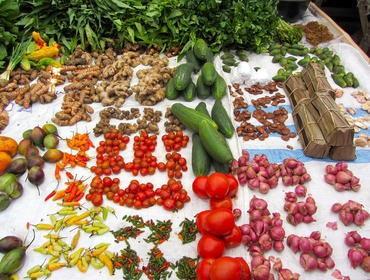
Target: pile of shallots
263, 231
299, 211
315, 253
359, 254
259, 174
341, 177
261, 268
351, 212
293, 172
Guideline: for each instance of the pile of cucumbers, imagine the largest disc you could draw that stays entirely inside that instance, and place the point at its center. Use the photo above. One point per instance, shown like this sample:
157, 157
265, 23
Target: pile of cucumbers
323, 56
228, 59
209, 82
209, 138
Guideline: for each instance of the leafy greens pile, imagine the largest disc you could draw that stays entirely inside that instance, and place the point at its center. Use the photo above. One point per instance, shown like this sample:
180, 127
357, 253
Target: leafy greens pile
9, 11
164, 23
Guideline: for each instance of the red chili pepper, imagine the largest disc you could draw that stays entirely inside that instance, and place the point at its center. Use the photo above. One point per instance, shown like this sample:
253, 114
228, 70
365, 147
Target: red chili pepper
79, 196
69, 175
50, 195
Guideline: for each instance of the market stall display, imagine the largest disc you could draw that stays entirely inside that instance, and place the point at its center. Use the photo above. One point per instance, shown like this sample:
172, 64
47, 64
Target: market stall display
169, 150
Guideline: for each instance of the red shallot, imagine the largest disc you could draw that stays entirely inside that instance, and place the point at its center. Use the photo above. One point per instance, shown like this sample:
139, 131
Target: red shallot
341, 177
351, 212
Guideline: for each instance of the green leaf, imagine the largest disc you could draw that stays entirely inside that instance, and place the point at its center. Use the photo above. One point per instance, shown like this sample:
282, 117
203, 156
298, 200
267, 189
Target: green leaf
3, 52
131, 34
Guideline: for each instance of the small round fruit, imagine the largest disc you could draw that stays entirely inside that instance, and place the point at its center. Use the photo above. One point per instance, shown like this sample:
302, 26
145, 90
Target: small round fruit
210, 247
199, 186
217, 186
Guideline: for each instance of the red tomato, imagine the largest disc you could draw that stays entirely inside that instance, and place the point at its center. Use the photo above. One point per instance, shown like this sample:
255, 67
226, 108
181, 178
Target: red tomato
233, 185
225, 268
199, 186
234, 238
220, 222
217, 186
246, 272
201, 220
221, 203
203, 268
210, 247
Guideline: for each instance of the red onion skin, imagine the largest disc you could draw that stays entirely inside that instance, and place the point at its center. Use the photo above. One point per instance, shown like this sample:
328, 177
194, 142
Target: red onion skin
321, 265
278, 264
264, 187
300, 191
343, 177
341, 166
346, 218
353, 235
291, 163
257, 261
237, 213
308, 262
255, 215
261, 272
320, 251
302, 208
366, 264
290, 197
250, 173
308, 219
287, 180
365, 244
257, 203
286, 274
278, 246
330, 169
305, 245
316, 235
311, 208
336, 207
298, 218
260, 227
355, 256
299, 170
329, 179
265, 242
293, 242
329, 263
296, 180
277, 233
253, 184
359, 218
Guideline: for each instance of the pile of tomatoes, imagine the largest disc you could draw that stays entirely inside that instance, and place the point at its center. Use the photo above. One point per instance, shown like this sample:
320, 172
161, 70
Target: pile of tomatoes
219, 230
175, 141
144, 162
108, 160
171, 196
175, 165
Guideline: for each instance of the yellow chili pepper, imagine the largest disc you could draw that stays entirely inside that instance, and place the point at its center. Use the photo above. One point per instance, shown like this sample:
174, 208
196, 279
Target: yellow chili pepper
72, 203
107, 262
97, 252
47, 51
75, 239
58, 225
102, 231
33, 269
96, 263
14, 277
53, 219
44, 227
55, 266
41, 250
38, 39
53, 260
74, 257
36, 275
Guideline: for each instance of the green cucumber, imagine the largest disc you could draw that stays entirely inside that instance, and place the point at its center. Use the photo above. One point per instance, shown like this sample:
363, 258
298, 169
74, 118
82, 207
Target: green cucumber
209, 56
219, 88
201, 50
200, 160
203, 92
190, 58
209, 74
183, 76
230, 62
190, 117
214, 143
222, 119
202, 108
190, 92
227, 55
171, 92
221, 167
